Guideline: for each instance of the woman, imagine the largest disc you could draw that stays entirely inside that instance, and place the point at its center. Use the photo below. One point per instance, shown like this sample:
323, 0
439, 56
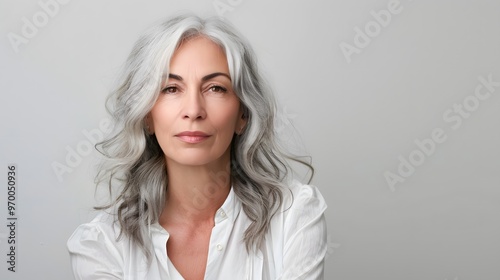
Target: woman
204, 191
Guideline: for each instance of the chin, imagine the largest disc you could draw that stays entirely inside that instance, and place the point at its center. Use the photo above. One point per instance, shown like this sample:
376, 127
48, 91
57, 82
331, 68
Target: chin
197, 158
192, 159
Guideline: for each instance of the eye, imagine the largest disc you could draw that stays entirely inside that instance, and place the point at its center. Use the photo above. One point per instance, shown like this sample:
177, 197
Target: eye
217, 89
170, 89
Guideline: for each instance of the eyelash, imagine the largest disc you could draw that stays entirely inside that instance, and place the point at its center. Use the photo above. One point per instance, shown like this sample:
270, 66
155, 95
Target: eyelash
220, 88
212, 88
165, 90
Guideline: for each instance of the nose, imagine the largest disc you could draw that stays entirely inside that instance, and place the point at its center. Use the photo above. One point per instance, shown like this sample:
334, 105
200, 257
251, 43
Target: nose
194, 106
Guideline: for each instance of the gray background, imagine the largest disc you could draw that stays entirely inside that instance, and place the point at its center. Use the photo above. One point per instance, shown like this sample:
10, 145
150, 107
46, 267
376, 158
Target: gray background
355, 119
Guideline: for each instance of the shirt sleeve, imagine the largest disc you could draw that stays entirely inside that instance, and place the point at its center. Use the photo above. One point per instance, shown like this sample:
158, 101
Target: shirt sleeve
94, 254
305, 236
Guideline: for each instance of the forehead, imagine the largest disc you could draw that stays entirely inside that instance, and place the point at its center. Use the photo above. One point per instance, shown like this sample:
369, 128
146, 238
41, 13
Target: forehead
198, 54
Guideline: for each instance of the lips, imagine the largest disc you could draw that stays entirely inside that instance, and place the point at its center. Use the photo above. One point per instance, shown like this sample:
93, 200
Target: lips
192, 137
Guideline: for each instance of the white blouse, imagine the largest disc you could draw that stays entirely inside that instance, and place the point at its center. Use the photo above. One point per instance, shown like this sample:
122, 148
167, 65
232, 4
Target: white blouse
294, 248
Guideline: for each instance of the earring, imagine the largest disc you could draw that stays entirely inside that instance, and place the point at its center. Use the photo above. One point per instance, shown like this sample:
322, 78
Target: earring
146, 126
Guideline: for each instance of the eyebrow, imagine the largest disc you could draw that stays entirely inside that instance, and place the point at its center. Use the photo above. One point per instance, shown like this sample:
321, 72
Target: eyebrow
203, 79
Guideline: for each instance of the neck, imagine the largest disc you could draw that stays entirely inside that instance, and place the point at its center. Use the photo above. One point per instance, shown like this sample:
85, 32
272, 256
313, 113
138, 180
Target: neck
195, 193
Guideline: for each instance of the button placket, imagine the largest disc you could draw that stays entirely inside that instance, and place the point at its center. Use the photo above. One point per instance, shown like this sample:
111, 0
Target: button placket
221, 216
218, 240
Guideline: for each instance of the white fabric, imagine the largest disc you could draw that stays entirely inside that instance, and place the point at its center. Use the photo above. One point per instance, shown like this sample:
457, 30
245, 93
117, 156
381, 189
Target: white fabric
294, 248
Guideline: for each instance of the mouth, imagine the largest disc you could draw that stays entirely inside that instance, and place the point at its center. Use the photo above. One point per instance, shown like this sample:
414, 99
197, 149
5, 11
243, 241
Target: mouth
192, 137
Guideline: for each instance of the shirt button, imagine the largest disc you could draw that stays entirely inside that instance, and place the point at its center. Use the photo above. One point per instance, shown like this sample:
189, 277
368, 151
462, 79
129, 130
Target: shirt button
222, 213
219, 247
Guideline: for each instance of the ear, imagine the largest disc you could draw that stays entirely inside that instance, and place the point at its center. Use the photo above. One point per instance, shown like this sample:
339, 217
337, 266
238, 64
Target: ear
149, 125
241, 122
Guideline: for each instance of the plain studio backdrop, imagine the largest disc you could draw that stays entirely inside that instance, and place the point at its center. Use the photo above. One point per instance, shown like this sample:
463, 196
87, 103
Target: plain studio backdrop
397, 102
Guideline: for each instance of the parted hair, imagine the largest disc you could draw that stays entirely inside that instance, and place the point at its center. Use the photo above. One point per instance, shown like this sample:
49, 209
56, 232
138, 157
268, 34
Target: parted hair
133, 165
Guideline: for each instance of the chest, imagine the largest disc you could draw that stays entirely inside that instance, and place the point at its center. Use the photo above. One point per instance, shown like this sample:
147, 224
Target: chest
188, 251
220, 254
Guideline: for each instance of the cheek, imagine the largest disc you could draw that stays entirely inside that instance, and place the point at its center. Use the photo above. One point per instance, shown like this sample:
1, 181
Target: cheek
161, 118
227, 117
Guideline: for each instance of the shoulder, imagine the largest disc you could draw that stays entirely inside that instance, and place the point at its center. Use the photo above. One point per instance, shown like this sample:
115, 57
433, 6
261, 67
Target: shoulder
302, 206
103, 223
100, 233
298, 196
95, 250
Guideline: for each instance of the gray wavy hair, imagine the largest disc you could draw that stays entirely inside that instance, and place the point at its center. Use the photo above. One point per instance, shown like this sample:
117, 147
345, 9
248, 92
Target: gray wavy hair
134, 162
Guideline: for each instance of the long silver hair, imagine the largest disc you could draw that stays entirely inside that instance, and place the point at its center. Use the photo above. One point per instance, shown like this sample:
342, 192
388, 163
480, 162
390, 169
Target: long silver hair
134, 167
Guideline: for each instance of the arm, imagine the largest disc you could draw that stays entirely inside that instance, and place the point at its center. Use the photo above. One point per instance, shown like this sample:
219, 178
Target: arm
305, 243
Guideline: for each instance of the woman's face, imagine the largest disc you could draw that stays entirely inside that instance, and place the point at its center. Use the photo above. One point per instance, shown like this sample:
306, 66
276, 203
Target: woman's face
197, 111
